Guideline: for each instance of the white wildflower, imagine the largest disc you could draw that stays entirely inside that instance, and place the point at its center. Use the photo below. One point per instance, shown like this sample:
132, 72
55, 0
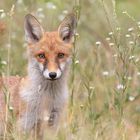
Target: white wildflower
111, 33
77, 35
11, 108
111, 44
92, 88
131, 42
131, 57
1, 10
120, 86
131, 98
124, 12
98, 43
127, 35
4, 62
118, 28
54, 7
81, 106
105, 73
77, 62
3, 15
130, 29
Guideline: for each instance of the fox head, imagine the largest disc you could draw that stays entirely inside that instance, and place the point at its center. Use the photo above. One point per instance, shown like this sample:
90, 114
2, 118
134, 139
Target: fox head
50, 51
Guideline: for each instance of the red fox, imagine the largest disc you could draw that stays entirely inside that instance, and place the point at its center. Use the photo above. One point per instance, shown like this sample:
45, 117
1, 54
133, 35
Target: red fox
44, 90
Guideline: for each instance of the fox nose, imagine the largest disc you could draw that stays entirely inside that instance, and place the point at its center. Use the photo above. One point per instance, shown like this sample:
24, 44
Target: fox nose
52, 75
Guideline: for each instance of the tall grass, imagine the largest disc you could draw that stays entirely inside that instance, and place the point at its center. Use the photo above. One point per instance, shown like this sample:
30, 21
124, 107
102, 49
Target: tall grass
105, 71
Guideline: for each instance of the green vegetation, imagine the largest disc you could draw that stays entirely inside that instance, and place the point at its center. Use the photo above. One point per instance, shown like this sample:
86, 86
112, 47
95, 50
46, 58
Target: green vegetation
104, 85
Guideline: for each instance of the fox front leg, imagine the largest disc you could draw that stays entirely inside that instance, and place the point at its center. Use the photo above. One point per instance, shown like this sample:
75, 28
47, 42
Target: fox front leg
38, 131
53, 118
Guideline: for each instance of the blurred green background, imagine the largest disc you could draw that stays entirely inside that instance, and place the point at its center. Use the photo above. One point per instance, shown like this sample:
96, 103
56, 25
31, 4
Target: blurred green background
105, 75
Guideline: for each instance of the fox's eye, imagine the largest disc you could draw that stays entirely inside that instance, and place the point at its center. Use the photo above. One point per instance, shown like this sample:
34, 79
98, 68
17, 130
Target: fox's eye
61, 55
41, 56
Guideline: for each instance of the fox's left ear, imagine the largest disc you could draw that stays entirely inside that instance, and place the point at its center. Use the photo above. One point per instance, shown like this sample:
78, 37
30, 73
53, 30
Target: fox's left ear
67, 28
33, 29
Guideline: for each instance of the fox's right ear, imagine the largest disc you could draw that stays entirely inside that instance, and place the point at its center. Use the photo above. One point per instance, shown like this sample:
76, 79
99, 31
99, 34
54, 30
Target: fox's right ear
33, 29
67, 28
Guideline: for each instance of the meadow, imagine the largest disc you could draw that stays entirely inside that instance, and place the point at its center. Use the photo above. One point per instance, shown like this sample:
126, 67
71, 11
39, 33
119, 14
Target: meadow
104, 81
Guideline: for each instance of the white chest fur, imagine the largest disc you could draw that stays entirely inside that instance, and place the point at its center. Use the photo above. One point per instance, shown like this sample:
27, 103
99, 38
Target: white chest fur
42, 96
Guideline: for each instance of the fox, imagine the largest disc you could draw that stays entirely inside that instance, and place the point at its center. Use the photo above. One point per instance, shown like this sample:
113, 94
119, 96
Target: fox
42, 96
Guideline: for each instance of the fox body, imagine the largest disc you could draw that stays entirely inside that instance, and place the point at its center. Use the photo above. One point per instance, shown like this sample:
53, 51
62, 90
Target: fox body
42, 95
